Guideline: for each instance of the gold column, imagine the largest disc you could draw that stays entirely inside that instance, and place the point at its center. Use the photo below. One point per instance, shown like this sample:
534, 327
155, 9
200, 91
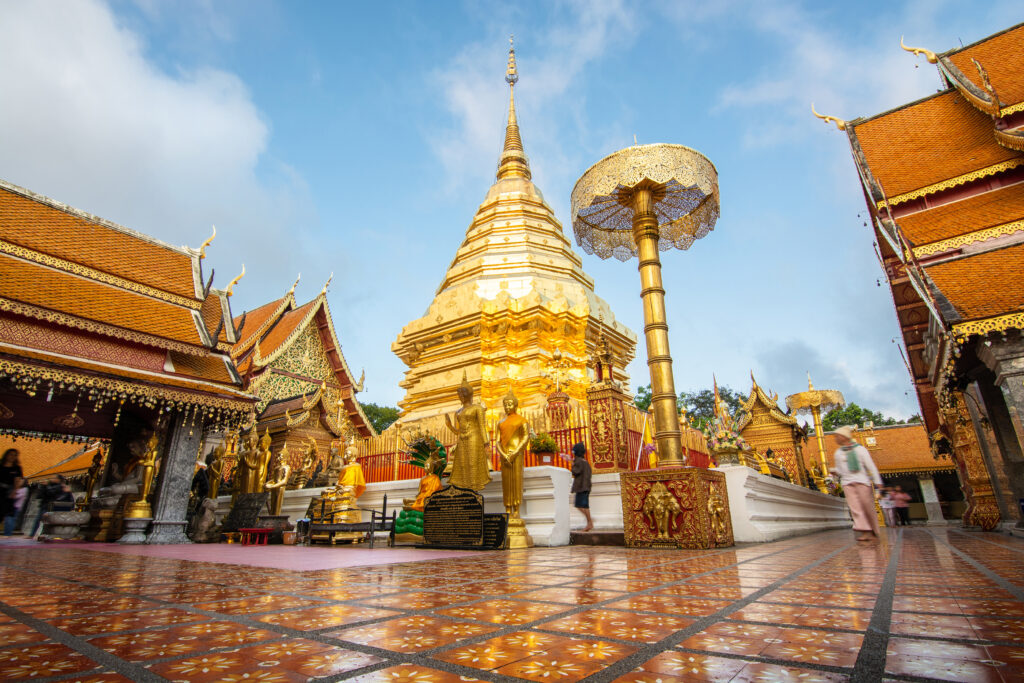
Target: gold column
816, 414
659, 359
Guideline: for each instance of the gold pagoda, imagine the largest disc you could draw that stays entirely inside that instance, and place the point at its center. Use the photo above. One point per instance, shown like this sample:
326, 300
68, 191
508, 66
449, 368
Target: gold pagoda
514, 297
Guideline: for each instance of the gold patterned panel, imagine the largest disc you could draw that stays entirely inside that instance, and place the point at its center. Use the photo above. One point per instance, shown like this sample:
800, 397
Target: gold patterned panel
969, 238
1000, 323
305, 356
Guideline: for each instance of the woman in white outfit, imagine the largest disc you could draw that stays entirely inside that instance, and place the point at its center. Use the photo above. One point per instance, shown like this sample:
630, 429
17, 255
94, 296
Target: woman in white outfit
858, 476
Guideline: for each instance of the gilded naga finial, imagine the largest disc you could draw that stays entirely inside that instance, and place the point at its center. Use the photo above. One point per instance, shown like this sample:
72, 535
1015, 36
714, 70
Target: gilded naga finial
929, 55
840, 124
323, 292
231, 285
295, 284
204, 245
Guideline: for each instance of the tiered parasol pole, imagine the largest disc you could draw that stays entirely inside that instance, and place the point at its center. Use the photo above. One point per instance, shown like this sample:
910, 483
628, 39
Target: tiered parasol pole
816, 415
659, 358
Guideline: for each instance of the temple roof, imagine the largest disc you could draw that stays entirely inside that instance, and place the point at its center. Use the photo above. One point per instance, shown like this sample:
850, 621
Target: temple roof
769, 403
976, 212
36, 455
928, 142
897, 449
1001, 272
99, 299
267, 336
999, 55
43, 225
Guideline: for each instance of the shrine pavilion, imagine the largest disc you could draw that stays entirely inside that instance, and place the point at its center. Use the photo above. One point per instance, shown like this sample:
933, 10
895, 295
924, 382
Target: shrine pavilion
109, 335
943, 178
290, 358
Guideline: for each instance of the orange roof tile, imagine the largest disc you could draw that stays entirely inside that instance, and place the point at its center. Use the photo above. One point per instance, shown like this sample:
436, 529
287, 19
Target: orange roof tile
983, 285
36, 455
32, 223
285, 327
898, 448
929, 141
255, 321
958, 218
209, 367
212, 313
1000, 55
40, 286
78, 464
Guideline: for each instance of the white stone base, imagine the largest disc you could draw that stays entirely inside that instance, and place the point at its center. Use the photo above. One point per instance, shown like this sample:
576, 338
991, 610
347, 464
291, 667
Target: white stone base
545, 509
605, 504
766, 509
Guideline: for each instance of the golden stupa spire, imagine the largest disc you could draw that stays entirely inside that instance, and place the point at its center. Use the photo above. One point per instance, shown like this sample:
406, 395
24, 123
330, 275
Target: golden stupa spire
513, 162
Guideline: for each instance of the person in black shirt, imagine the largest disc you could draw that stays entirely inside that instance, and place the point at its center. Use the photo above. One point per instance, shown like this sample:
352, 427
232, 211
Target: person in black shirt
10, 469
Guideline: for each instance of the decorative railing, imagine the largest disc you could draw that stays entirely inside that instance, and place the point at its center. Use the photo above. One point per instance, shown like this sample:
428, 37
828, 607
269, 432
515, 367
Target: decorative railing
382, 457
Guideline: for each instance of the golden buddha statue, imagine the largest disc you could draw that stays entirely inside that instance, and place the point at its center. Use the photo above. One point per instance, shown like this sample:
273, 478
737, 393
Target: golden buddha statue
248, 464
264, 462
277, 479
429, 484
215, 469
514, 436
351, 482
146, 464
469, 458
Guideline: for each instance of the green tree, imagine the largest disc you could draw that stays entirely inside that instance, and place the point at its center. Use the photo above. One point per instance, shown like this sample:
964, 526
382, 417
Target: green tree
381, 417
700, 405
853, 414
642, 400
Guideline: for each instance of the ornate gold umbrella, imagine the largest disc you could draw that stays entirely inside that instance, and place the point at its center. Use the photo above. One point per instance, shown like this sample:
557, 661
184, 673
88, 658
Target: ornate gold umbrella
633, 203
817, 402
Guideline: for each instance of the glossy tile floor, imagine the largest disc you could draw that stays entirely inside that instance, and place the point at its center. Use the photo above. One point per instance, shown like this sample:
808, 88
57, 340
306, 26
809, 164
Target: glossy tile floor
922, 604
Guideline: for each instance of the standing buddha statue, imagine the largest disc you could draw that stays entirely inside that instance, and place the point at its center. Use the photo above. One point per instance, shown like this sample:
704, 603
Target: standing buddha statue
215, 469
513, 438
264, 462
470, 468
277, 480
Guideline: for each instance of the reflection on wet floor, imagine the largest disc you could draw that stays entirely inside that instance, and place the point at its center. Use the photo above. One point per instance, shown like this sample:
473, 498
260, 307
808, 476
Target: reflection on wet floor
922, 604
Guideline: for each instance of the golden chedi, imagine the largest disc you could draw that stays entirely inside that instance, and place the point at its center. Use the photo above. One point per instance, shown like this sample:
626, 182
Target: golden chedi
513, 295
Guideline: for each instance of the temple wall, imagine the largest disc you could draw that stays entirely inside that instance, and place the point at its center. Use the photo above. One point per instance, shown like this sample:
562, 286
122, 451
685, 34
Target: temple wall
766, 509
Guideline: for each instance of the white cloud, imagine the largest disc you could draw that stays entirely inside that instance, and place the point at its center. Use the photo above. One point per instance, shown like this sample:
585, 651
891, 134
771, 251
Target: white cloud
90, 121
477, 97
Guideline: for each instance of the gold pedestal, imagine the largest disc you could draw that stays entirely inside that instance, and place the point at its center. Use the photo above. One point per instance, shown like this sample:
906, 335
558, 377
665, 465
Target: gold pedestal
676, 507
138, 509
518, 536
609, 445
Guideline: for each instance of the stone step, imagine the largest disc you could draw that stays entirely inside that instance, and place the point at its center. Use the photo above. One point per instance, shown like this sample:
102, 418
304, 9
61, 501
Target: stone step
597, 538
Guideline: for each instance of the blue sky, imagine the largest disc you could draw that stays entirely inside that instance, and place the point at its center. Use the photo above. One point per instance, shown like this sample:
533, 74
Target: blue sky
359, 139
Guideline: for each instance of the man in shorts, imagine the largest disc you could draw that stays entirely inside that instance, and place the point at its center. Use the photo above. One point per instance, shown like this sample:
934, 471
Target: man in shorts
581, 482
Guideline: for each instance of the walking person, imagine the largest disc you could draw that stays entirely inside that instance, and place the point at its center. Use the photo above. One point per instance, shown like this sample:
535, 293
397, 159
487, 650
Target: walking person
17, 501
901, 504
10, 470
887, 504
858, 475
581, 482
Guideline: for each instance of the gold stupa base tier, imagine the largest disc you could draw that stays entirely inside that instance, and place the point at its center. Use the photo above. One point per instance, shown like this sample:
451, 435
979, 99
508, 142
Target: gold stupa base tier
676, 507
138, 509
518, 536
